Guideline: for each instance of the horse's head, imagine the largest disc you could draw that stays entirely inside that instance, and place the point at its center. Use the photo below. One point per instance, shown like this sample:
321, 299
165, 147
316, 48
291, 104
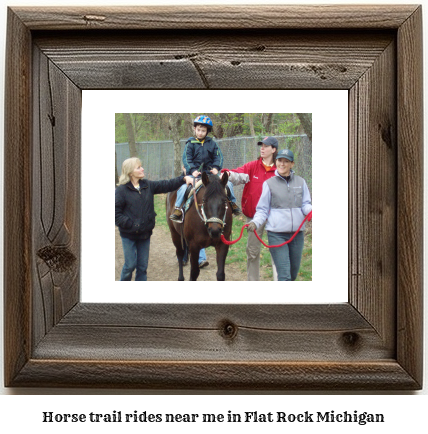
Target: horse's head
214, 203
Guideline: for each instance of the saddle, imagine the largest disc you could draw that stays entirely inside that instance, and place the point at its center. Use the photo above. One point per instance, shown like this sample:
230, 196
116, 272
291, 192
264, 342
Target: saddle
189, 195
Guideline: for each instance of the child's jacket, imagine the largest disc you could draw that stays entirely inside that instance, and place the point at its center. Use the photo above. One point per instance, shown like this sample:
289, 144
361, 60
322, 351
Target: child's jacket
195, 153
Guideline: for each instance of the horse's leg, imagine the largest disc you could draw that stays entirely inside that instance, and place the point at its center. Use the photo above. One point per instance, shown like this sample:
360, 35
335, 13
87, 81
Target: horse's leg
186, 255
179, 251
194, 261
221, 253
180, 255
175, 235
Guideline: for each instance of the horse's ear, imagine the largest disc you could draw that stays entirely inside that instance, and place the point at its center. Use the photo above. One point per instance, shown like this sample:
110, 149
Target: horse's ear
225, 178
205, 179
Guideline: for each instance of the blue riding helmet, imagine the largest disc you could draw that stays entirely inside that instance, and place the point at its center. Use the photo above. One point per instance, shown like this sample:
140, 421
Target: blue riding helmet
203, 120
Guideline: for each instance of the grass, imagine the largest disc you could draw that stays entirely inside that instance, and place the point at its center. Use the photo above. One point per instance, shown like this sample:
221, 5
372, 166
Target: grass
160, 211
237, 254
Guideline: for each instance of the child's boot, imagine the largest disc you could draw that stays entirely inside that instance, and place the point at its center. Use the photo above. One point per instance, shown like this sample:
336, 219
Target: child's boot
235, 209
177, 215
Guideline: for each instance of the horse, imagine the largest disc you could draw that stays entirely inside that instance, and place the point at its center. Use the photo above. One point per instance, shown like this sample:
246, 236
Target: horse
204, 223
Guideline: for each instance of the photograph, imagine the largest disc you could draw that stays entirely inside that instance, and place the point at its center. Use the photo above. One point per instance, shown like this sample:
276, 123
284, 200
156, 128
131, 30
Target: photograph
166, 145
226, 72
162, 159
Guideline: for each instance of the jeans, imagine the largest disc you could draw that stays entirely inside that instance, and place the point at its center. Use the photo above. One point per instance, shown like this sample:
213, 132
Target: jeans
287, 258
202, 255
182, 190
232, 194
136, 254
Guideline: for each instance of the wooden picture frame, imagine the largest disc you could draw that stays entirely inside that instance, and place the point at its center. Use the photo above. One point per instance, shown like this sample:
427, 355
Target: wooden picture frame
372, 342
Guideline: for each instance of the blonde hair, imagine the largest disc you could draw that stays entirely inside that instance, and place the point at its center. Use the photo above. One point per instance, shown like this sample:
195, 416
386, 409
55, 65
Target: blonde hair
128, 166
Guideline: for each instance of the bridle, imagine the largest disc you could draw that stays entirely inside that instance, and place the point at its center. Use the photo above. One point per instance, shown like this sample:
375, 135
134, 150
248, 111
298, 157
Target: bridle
203, 216
215, 219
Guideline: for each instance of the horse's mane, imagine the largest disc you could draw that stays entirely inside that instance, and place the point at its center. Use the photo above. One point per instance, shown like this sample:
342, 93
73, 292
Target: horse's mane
215, 187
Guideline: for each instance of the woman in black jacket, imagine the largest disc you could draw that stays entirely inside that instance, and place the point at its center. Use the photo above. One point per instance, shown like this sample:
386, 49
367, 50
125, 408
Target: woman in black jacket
135, 214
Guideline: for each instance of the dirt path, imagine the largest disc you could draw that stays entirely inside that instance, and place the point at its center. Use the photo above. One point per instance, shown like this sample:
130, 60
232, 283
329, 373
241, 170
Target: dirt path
163, 262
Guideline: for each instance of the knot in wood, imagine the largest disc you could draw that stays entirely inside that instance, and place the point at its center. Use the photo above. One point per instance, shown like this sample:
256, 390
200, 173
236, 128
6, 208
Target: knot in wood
386, 134
351, 340
58, 259
227, 329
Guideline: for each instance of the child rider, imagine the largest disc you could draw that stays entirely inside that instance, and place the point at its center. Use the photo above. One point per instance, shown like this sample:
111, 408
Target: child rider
201, 150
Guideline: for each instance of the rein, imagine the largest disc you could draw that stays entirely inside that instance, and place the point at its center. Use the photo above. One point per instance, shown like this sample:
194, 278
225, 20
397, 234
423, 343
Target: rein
196, 201
307, 218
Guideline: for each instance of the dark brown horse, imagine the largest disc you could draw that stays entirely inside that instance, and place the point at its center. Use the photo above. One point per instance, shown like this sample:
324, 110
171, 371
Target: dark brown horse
203, 227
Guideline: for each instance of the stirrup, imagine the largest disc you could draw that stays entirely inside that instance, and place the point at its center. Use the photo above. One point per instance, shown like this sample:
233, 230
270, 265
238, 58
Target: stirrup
176, 218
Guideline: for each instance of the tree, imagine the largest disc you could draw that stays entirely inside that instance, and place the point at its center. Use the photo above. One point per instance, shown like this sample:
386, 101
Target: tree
219, 120
131, 134
174, 123
306, 122
188, 125
267, 119
252, 130
120, 130
227, 124
236, 124
251, 122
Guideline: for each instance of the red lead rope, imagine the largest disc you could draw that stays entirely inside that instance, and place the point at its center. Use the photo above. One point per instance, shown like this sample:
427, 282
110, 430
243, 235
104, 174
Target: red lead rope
308, 218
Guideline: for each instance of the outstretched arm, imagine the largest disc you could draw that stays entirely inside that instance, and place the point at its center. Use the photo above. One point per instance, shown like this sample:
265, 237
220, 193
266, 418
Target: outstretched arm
240, 175
263, 207
168, 184
237, 178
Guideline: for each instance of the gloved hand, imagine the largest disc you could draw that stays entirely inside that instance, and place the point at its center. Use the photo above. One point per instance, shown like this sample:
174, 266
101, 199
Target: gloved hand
251, 227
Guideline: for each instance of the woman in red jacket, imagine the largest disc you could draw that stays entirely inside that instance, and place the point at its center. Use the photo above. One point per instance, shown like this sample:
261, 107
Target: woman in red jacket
253, 175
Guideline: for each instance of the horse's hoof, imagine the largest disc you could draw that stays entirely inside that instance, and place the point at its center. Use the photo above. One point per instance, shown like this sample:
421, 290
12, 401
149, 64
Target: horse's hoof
181, 280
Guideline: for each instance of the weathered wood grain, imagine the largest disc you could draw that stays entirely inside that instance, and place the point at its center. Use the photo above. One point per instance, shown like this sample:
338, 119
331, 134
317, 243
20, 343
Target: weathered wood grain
373, 177
216, 59
200, 332
372, 342
56, 198
321, 317
17, 199
284, 376
216, 17
410, 212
